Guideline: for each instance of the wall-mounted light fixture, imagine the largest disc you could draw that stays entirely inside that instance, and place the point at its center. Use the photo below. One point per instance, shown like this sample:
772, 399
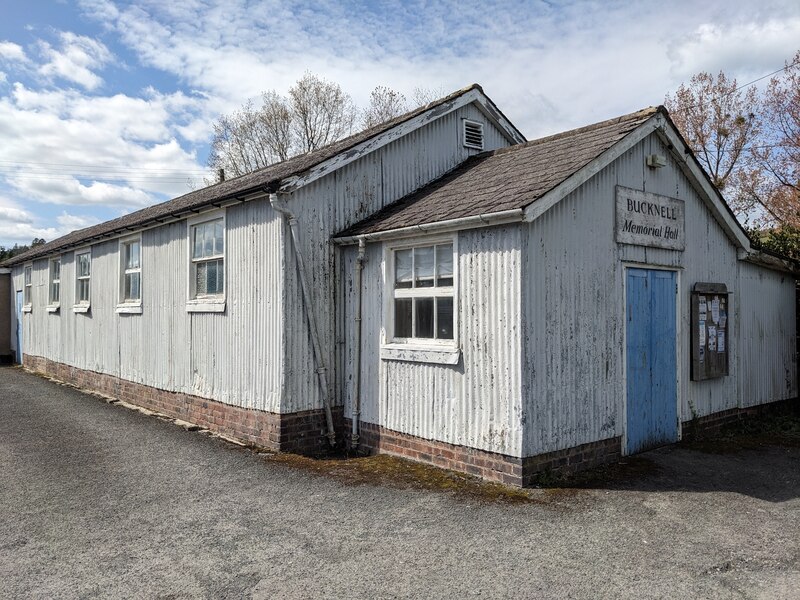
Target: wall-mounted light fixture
656, 161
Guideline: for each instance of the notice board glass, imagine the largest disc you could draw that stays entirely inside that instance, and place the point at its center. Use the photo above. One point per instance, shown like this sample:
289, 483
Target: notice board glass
710, 326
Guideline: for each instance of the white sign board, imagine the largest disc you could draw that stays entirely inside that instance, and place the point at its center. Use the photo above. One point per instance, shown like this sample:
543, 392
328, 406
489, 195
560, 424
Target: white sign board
646, 219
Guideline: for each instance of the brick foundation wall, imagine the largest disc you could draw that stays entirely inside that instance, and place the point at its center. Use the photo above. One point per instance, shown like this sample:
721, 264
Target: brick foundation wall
488, 465
302, 432
572, 460
711, 425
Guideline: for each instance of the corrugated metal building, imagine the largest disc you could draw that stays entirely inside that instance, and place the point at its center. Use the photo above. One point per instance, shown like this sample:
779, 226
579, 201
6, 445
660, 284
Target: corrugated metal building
435, 287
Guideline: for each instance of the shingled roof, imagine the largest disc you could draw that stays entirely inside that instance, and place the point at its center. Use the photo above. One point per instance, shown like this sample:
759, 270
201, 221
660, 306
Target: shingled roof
505, 179
268, 178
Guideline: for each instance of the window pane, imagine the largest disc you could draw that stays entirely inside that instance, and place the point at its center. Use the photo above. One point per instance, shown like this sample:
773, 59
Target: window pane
56, 269
423, 264
55, 293
132, 255
211, 287
402, 269
444, 318
132, 286
424, 317
220, 276
402, 317
197, 239
27, 275
83, 290
201, 279
219, 238
208, 239
444, 265
84, 265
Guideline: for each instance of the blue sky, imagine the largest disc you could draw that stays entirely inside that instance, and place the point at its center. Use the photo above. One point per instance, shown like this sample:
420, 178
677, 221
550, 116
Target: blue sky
106, 106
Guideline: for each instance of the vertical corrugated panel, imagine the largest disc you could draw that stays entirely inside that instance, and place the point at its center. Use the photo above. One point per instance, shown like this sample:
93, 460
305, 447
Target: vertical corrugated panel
573, 322
476, 403
234, 357
768, 360
339, 200
574, 305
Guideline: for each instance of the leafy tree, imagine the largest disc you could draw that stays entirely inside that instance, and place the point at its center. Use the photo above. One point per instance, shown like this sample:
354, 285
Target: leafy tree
6, 253
784, 240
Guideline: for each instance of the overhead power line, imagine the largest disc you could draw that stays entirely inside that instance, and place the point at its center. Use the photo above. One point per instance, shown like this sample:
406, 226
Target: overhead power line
744, 85
112, 168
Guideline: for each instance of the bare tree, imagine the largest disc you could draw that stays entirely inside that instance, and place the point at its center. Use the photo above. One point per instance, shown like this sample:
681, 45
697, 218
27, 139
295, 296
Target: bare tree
237, 146
322, 113
315, 113
779, 155
384, 104
719, 122
425, 95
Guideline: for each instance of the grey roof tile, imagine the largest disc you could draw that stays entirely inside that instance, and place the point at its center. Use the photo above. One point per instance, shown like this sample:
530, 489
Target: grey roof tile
505, 179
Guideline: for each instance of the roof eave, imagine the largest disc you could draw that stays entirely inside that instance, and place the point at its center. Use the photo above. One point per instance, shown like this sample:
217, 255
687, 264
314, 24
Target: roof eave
450, 225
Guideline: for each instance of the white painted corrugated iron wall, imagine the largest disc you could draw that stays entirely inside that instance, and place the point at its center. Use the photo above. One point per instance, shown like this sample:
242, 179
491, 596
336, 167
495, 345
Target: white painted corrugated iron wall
341, 199
233, 357
574, 305
476, 403
768, 366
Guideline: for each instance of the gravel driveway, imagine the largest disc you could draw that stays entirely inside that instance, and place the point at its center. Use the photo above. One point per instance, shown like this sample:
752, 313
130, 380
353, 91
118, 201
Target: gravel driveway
101, 501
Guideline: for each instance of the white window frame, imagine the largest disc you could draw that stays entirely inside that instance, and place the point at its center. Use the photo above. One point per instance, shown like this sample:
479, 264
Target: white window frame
53, 305
129, 305
419, 349
467, 144
215, 303
82, 306
27, 288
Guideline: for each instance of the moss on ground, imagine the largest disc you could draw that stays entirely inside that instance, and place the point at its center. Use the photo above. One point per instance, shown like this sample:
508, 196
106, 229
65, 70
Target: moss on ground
400, 473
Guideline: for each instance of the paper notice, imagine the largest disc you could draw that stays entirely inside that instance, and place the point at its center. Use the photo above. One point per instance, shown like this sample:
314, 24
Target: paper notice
715, 309
720, 341
702, 332
703, 309
702, 354
712, 338
723, 319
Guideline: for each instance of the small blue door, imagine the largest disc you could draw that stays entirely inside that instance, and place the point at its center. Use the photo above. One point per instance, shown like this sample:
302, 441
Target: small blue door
651, 362
19, 327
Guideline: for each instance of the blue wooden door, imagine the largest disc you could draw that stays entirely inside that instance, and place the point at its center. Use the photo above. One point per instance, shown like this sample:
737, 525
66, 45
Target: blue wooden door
19, 327
651, 363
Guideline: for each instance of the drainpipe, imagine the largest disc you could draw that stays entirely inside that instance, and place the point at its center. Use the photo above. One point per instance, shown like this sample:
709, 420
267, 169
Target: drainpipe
322, 371
362, 246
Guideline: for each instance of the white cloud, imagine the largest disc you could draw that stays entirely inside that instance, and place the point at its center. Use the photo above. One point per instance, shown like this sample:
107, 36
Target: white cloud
548, 66
10, 214
69, 222
76, 60
755, 48
9, 51
63, 147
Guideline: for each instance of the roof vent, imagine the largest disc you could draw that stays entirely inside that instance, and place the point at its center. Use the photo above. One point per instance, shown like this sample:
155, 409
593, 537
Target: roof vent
473, 134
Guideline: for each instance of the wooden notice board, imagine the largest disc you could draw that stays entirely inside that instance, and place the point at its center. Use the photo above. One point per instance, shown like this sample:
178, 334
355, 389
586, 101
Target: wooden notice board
710, 326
